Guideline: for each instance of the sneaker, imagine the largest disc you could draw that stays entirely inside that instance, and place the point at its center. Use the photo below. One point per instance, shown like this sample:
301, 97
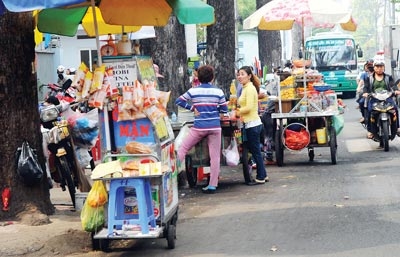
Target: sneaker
266, 179
208, 190
362, 120
260, 181
398, 132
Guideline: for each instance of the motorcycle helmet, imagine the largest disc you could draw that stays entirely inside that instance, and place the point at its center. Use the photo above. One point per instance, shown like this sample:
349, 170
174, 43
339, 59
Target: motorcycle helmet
60, 69
379, 61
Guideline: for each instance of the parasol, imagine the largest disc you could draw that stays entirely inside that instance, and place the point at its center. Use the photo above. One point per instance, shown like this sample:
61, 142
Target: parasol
281, 15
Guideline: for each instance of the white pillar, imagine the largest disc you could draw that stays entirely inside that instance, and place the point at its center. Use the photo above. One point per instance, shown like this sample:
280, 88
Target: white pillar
191, 40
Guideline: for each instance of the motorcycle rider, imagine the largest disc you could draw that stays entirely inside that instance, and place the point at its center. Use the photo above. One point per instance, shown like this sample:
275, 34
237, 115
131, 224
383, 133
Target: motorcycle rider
368, 69
378, 79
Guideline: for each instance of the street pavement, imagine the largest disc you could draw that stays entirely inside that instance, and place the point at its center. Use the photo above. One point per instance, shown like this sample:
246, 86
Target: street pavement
307, 209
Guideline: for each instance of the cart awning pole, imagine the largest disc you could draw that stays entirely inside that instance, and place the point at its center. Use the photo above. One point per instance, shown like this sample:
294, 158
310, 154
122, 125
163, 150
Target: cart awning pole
107, 129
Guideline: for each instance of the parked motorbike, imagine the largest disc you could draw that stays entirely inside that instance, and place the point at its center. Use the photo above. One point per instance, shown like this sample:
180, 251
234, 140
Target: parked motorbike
57, 137
383, 118
63, 90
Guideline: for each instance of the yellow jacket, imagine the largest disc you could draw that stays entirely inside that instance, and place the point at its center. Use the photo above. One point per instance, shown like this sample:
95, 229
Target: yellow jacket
248, 102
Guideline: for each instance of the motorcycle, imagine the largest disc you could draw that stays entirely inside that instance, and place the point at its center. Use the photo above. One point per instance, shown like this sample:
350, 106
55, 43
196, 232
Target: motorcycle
64, 91
383, 118
57, 137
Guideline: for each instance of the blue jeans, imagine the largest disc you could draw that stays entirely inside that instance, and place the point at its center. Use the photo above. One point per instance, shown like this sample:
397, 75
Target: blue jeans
253, 144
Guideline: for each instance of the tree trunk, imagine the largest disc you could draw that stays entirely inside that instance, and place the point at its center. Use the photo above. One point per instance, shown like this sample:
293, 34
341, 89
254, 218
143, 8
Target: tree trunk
269, 45
221, 43
19, 113
168, 51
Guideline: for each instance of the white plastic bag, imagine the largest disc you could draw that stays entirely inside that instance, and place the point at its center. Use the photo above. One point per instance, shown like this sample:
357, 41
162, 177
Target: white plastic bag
181, 136
231, 153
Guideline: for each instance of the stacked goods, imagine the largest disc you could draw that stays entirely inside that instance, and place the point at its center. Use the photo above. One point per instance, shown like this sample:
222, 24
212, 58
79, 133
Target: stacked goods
287, 88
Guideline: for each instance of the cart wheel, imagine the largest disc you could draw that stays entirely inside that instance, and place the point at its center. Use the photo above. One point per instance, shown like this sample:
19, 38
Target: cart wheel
279, 146
191, 172
311, 154
171, 236
333, 144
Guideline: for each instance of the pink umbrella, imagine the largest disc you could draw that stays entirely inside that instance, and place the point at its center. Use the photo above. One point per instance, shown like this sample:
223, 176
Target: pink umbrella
281, 15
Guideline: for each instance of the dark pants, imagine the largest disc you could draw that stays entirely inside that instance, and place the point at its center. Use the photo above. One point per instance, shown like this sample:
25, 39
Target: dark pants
252, 142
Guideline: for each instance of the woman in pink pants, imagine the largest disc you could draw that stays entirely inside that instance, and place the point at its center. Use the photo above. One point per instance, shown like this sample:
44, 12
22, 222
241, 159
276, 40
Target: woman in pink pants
207, 102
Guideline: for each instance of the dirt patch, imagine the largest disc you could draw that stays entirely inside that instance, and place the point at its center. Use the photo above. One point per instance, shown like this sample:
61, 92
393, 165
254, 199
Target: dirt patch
62, 235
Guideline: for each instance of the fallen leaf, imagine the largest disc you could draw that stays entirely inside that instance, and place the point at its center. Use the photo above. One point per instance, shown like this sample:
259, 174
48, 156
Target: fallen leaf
284, 185
372, 176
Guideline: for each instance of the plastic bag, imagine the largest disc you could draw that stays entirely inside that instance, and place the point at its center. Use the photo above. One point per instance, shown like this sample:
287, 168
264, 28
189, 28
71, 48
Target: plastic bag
338, 123
92, 219
231, 153
85, 129
28, 167
97, 196
181, 136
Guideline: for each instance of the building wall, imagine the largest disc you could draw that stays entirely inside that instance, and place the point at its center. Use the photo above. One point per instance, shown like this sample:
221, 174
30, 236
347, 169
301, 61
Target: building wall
247, 47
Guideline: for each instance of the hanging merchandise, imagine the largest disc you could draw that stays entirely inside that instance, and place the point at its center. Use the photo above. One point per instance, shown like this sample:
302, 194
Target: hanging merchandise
124, 45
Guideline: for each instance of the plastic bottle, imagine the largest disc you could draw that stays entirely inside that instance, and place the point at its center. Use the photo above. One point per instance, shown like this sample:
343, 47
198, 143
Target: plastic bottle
173, 117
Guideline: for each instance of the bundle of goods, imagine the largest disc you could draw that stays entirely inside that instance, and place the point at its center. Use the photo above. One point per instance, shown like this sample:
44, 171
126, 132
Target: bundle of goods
296, 136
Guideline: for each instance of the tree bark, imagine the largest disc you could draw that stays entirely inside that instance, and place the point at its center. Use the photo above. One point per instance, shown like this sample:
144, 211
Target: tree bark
19, 113
269, 45
220, 51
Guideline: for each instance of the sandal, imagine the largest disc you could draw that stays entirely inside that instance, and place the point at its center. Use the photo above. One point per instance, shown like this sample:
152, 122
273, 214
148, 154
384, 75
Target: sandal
370, 135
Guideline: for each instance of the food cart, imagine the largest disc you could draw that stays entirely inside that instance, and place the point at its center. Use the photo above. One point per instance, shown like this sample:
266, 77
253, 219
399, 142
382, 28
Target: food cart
305, 118
198, 157
137, 148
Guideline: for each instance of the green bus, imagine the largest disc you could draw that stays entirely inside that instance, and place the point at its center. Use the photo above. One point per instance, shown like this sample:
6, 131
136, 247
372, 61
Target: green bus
334, 55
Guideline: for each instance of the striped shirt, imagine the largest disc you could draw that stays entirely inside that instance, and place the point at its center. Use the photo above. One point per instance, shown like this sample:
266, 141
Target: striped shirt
209, 101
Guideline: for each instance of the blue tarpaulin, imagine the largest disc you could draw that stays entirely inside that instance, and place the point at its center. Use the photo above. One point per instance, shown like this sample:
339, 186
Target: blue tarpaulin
30, 5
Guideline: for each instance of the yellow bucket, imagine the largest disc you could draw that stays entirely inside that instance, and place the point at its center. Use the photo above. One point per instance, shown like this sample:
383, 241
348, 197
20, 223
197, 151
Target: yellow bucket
321, 136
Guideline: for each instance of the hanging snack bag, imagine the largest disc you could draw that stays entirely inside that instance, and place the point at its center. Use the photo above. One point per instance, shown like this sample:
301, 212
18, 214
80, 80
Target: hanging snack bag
112, 92
97, 78
163, 97
123, 114
79, 78
138, 97
127, 98
87, 85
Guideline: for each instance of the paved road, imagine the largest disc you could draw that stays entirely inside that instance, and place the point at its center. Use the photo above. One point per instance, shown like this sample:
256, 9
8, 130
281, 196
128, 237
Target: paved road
307, 209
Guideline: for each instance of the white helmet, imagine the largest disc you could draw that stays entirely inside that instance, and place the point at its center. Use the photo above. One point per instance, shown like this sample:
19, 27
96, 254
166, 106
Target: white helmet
60, 69
379, 60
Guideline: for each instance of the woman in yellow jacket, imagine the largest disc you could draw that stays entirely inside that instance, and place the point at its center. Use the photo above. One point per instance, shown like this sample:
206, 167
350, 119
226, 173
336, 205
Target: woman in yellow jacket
248, 111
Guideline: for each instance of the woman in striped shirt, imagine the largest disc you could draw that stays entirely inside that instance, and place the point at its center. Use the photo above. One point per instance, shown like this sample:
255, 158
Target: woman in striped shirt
207, 102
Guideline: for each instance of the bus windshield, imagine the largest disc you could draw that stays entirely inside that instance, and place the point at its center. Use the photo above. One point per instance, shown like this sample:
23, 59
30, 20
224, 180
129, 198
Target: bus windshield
332, 54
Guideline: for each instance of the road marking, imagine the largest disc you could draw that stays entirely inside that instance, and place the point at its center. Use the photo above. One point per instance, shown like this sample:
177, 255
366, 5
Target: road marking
358, 145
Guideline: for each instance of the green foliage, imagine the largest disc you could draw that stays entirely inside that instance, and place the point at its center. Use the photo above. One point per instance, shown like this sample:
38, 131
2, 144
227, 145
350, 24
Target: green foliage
245, 8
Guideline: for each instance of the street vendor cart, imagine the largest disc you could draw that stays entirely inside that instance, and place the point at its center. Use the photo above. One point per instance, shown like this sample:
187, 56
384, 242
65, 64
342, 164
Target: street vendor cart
138, 157
306, 120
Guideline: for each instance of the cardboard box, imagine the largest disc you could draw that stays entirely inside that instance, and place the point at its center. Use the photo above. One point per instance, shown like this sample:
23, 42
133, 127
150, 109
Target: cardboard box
286, 106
